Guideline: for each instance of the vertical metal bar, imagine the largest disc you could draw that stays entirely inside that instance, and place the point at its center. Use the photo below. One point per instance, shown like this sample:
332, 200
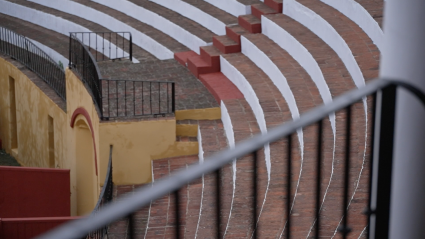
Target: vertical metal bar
116, 91
103, 46
131, 233
177, 208
218, 202
318, 177
372, 143
254, 196
110, 39
159, 97
344, 229
96, 46
109, 104
288, 188
143, 106
167, 99
150, 96
173, 96
116, 46
134, 98
125, 97
123, 44
382, 193
131, 48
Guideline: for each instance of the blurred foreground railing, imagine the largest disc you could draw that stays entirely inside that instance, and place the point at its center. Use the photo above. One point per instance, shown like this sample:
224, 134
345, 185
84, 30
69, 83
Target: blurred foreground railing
383, 95
27, 53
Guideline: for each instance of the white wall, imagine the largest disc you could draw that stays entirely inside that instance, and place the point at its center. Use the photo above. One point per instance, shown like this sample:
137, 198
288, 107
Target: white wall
162, 24
90, 14
361, 17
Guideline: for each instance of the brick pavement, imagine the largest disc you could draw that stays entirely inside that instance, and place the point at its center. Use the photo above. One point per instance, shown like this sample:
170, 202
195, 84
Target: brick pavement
187, 24
339, 81
276, 112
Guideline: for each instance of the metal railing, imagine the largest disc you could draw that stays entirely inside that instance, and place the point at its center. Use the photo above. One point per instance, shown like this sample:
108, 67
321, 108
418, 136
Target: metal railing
27, 53
117, 98
383, 95
123, 98
107, 45
104, 198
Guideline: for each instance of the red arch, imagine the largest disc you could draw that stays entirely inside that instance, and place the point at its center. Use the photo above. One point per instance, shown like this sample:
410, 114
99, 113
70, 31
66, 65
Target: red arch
82, 111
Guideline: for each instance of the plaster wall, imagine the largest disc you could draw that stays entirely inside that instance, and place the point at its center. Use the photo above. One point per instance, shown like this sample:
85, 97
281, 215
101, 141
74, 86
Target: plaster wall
33, 108
135, 144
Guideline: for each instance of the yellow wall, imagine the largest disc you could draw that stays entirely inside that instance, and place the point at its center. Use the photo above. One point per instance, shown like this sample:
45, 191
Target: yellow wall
133, 144
78, 96
33, 109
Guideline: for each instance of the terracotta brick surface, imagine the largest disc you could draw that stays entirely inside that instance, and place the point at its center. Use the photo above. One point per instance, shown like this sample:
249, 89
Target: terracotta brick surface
375, 9
339, 81
187, 24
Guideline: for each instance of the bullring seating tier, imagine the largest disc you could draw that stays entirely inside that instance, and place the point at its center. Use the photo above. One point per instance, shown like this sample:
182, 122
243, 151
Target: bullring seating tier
275, 62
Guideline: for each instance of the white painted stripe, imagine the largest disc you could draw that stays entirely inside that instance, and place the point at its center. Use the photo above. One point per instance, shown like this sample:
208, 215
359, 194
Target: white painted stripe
272, 71
195, 14
228, 129
56, 56
201, 160
251, 97
327, 33
231, 6
361, 17
249, 94
143, 15
287, 42
90, 14
50, 21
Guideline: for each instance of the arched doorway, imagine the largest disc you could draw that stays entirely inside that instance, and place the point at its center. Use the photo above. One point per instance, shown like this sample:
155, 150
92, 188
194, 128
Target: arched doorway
85, 168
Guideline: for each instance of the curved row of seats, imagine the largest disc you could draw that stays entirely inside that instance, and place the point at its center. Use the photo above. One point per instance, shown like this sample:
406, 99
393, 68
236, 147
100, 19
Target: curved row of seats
271, 67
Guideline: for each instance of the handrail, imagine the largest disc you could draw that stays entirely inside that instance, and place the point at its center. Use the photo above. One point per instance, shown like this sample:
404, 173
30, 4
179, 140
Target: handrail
104, 198
31, 56
143, 196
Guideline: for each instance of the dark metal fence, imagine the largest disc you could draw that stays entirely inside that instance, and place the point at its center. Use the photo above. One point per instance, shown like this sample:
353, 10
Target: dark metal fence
27, 53
104, 198
107, 45
383, 95
124, 98
117, 98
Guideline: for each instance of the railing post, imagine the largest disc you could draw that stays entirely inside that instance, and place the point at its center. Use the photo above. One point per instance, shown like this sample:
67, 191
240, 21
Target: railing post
403, 57
131, 48
381, 183
70, 46
173, 97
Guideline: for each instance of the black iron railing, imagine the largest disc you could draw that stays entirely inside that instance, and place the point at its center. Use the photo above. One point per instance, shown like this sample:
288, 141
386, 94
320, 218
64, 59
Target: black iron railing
104, 198
381, 92
123, 98
117, 98
27, 53
107, 45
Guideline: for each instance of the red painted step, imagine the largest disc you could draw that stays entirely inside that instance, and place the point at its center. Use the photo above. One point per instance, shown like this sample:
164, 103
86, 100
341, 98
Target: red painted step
226, 45
235, 32
182, 57
220, 86
250, 23
261, 9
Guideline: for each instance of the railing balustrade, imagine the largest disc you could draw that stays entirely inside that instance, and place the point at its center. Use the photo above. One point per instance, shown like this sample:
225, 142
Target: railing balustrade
105, 197
117, 98
27, 53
